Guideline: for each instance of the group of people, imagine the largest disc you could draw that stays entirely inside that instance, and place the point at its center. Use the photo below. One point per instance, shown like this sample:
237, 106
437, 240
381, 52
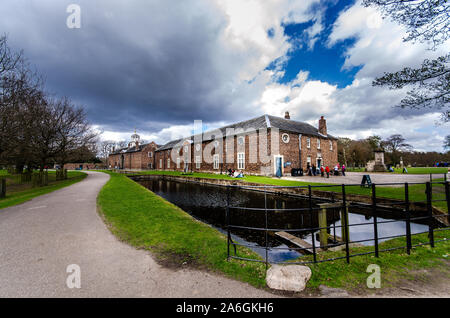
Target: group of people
235, 174
312, 170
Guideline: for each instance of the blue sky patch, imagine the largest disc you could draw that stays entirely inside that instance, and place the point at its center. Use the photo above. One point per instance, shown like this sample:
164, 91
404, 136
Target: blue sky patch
323, 63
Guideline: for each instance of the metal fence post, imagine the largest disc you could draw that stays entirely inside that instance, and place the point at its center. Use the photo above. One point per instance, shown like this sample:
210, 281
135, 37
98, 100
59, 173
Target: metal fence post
408, 220
311, 218
267, 241
447, 197
344, 223
228, 222
2, 188
374, 215
430, 215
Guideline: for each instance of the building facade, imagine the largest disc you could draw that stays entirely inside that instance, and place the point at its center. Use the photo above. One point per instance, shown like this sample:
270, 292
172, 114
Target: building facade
134, 157
266, 145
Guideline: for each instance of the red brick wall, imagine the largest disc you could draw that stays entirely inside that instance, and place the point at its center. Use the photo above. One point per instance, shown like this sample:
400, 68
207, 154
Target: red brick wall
137, 160
289, 151
84, 166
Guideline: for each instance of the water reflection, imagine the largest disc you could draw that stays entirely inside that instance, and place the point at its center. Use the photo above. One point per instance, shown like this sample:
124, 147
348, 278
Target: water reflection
208, 204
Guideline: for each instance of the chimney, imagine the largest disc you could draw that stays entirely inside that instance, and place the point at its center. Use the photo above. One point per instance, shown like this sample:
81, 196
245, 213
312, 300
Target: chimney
286, 115
322, 126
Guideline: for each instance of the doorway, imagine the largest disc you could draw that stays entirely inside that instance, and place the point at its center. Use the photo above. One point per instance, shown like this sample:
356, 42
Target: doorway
278, 166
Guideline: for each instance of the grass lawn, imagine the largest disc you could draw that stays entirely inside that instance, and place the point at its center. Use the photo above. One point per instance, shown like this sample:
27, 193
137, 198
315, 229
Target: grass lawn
17, 192
412, 170
395, 265
145, 220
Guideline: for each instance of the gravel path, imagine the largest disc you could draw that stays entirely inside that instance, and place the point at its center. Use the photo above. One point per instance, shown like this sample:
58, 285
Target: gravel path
42, 237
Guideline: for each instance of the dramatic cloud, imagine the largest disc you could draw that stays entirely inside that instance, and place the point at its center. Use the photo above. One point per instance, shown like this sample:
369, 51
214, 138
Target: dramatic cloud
158, 66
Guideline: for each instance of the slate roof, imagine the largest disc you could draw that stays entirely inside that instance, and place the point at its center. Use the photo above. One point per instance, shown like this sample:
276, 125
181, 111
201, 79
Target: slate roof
261, 122
132, 149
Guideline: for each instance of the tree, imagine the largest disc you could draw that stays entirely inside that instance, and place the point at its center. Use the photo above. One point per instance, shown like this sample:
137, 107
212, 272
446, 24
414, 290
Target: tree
105, 148
374, 142
394, 144
37, 130
447, 142
343, 149
426, 21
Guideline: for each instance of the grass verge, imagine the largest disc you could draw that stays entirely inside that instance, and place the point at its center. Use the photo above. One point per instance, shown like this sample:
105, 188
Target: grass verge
145, 220
24, 192
395, 265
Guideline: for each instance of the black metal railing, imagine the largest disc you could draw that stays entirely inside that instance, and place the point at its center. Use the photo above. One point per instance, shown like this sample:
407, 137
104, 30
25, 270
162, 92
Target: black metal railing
402, 209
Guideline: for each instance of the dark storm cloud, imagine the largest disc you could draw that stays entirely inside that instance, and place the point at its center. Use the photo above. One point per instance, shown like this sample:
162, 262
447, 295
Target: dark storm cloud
142, 64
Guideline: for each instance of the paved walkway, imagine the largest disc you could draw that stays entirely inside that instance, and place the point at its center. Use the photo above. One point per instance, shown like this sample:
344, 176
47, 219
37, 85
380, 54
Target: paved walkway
41, 237
356, 177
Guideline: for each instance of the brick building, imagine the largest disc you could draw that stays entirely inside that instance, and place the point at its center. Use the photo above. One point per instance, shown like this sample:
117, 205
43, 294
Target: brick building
266, 145
134, 157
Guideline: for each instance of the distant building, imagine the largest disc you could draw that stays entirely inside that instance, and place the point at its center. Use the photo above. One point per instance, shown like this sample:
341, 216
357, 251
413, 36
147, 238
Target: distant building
134, 157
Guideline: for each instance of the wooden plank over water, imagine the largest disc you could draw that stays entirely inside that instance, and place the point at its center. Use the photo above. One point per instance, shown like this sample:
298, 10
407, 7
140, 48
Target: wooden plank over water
297, 242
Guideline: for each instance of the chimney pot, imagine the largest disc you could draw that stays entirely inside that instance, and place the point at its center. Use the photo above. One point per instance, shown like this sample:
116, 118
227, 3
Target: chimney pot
322, 126
286, 115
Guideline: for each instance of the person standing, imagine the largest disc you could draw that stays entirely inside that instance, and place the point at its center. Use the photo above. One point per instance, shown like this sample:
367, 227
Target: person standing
322, 171
327, 169
343, 170
314, 170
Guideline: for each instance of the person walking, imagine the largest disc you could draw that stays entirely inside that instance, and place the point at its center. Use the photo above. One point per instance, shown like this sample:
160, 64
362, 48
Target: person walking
322, 171
343, 170
314, 170
327, 169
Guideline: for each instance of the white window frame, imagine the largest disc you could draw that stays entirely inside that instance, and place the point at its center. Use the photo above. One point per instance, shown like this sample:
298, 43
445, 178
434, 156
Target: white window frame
197, 162
308, 143
308, 160
216, 161
331, 145
150, 154
178, 163
318, 143
168, 163
160, 164
241, 160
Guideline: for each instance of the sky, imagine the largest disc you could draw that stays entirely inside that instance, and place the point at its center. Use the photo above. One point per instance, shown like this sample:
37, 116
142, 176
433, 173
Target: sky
156, 66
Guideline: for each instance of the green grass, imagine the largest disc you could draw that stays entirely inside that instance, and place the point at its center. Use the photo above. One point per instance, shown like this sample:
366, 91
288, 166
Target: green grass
423, 170
411, 170
395, 265
17, 193
145, 220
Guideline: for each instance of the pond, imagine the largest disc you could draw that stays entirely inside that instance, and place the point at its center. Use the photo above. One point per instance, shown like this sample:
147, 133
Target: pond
207, 203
